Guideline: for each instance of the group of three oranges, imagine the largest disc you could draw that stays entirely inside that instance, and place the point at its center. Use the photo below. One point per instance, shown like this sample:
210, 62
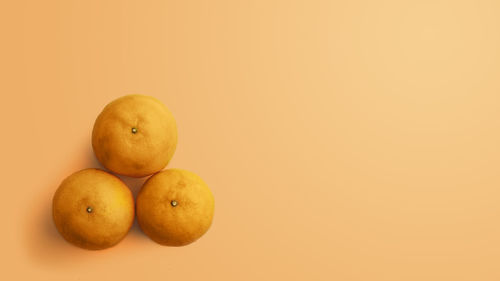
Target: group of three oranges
134, 136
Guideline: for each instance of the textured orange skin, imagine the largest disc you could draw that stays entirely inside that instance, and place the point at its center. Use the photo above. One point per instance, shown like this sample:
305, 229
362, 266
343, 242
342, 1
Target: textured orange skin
112, 209
179, 225
138, 154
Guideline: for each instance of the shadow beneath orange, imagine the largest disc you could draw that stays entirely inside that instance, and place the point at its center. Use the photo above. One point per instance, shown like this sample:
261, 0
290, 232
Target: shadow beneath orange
44, 242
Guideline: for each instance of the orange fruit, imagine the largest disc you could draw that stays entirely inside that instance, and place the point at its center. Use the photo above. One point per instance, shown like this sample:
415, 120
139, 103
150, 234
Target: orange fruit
93, 209
134, 135
175, 207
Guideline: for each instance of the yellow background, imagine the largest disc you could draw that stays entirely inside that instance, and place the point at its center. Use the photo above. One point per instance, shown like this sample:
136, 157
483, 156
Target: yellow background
343, 140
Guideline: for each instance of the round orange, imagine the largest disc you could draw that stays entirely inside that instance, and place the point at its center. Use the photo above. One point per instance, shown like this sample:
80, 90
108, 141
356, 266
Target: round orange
93, 209
135, 135
175, 207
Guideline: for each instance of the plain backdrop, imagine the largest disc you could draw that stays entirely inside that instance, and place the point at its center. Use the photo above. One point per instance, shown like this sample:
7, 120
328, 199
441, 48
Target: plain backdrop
343, 140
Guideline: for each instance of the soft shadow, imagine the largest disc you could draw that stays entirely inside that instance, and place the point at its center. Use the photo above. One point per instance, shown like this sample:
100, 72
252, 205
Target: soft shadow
46, 245
44, 242
134, 184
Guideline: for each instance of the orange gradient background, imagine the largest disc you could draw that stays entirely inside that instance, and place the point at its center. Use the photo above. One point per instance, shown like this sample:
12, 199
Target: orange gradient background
343, 140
